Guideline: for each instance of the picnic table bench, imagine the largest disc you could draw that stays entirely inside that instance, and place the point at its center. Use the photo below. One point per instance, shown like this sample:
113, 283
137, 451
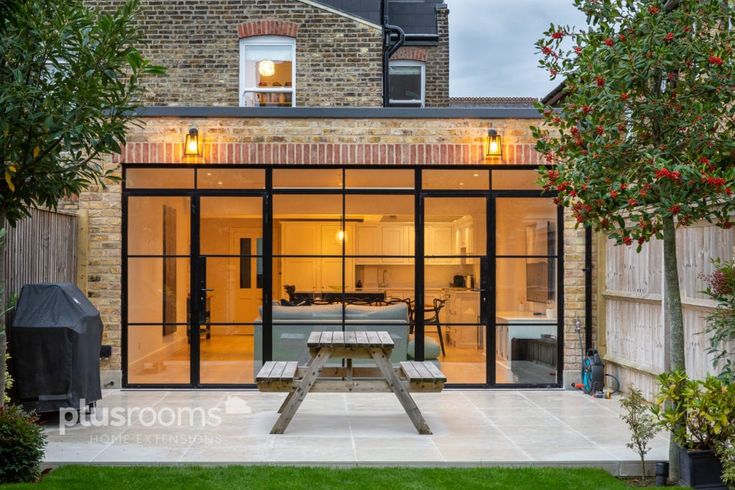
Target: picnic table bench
297, 381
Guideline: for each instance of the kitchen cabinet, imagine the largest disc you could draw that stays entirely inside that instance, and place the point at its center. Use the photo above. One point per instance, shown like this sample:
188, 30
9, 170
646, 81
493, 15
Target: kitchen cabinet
368, 242
463, 306
393, 241
520, 325
386, 243
438, 240
319, 239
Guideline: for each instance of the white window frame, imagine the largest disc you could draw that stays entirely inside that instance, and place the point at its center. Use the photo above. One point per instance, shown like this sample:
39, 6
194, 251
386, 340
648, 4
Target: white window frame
268, 41
421, 65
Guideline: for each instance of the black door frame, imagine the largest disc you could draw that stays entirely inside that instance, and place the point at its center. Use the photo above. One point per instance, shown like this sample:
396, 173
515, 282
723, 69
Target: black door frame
488, 265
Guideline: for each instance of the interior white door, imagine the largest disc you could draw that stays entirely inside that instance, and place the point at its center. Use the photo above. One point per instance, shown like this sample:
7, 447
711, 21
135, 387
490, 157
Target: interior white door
245, 275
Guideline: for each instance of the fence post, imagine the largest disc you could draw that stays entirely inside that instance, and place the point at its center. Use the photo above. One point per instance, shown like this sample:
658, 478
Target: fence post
82, 249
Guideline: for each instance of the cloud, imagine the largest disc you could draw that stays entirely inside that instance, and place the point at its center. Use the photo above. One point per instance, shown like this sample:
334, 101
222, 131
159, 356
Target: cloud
492, 50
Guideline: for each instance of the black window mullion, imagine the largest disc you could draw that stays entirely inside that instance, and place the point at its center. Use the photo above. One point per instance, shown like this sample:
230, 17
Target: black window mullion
419, 269
267, 324
198, 281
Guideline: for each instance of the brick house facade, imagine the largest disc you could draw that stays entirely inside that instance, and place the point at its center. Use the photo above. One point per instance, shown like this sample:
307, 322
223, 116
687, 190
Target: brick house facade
338, 55
338, 65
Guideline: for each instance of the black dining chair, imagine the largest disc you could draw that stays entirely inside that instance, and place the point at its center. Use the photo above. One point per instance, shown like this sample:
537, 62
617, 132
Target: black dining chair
432, 316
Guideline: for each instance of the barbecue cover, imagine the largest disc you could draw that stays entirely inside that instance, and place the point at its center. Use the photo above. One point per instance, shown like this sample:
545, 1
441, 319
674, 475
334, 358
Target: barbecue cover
55, 344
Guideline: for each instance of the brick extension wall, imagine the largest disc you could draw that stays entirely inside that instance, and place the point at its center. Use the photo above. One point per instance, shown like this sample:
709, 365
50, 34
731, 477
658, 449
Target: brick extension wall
227, 139
338, 59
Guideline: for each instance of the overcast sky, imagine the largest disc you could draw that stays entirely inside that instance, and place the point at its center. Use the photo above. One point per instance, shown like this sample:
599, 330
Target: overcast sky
492, 49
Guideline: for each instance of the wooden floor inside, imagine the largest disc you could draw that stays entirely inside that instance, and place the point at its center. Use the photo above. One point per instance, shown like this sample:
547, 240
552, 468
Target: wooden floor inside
229, 359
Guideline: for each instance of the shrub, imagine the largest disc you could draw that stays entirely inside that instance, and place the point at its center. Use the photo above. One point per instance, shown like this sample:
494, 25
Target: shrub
642, 425
721, 322
699, 414
8, 380
22, 444
726, 453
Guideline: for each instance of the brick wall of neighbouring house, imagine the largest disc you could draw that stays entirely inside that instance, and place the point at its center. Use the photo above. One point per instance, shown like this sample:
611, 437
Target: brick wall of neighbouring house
436, 60
351, 141
338, 59
437, 64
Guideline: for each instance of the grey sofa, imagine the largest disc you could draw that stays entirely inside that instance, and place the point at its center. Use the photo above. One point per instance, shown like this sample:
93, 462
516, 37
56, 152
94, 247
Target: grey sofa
293, 324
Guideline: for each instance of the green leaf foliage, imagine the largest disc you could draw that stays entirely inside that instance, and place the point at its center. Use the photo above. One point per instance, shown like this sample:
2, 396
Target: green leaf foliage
699, 414
646, 130
21, 446
721, 322
69, 79
642, 424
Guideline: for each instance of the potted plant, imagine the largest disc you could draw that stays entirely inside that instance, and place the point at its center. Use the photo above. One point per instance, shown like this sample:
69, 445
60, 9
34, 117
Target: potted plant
700, 415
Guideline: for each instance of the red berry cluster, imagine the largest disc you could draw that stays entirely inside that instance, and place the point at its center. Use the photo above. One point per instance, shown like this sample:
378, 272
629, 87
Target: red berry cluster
664, 173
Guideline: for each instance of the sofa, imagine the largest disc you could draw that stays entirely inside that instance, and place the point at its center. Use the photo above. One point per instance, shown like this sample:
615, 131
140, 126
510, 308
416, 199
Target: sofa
292, 326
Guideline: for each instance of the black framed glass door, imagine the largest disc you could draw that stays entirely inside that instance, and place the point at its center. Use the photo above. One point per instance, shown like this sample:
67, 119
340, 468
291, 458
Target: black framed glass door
454, 319
527, 291
230, 281
474, 255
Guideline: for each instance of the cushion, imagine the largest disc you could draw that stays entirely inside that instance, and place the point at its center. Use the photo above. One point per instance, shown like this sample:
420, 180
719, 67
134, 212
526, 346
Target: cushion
431, 349
313, 312
397, 312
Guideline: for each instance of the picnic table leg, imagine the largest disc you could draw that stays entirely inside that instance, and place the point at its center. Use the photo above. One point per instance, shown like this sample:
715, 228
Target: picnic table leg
409, 405
286, 401
293, 401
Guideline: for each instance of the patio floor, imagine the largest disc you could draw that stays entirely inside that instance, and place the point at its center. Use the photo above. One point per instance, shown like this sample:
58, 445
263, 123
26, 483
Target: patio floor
469, 428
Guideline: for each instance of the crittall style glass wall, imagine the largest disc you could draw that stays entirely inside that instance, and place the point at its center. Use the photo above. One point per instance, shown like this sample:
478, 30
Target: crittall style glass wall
226, 267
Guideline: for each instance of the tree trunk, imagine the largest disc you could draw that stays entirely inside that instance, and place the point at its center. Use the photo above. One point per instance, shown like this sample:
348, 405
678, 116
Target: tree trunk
643, 469
3, 336
674, 322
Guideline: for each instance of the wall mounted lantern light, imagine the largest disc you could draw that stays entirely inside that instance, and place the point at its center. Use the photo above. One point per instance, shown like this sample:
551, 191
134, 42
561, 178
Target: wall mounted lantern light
494, 144
192, 146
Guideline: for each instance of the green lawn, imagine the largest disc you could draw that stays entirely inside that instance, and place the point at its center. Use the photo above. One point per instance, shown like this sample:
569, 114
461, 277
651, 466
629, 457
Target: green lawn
190, 477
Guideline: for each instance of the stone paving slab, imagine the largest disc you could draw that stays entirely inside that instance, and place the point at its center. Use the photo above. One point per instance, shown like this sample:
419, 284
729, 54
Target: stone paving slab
474, 428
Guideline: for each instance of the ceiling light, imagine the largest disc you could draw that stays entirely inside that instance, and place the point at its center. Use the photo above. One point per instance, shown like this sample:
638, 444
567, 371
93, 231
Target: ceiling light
266, 68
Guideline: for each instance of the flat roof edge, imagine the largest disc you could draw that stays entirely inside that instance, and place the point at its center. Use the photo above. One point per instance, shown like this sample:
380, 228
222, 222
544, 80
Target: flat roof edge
340, 112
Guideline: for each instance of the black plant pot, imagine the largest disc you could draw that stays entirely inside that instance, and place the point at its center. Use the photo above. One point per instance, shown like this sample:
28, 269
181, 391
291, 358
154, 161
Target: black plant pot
701, 469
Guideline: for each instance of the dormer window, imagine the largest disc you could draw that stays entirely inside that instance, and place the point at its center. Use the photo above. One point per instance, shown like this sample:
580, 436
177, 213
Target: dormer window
268, 71
407, 83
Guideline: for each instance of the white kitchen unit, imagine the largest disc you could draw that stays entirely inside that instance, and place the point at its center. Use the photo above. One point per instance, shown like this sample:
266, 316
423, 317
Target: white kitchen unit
385, 243
316, 273
520, 325
463, 306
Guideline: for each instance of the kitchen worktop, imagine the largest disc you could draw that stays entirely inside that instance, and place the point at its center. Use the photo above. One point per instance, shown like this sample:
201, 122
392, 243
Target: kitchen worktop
523, 317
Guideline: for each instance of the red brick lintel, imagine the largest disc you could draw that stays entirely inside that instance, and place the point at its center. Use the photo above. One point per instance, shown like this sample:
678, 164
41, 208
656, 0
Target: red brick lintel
268, 28
328, 154
410, 53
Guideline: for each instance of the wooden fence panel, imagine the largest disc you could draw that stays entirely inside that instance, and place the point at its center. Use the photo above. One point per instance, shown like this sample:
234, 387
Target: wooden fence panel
41, 248
631, 304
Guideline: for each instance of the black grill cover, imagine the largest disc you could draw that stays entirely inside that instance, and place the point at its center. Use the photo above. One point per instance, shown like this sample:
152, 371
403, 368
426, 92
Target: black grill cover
55, 344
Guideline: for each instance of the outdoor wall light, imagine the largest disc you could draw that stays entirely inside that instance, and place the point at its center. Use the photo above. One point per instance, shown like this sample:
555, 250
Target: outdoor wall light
192, 146
494, 144
341, 236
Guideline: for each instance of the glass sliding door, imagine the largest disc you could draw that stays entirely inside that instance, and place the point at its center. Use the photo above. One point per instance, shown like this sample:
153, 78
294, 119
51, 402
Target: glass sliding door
526, 291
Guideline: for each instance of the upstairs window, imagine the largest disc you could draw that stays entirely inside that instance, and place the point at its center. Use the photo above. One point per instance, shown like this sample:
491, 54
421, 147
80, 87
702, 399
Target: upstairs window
407, 83
268, 72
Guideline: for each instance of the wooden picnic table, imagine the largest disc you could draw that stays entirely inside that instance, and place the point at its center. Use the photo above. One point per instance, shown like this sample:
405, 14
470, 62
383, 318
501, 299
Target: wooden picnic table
298, 381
